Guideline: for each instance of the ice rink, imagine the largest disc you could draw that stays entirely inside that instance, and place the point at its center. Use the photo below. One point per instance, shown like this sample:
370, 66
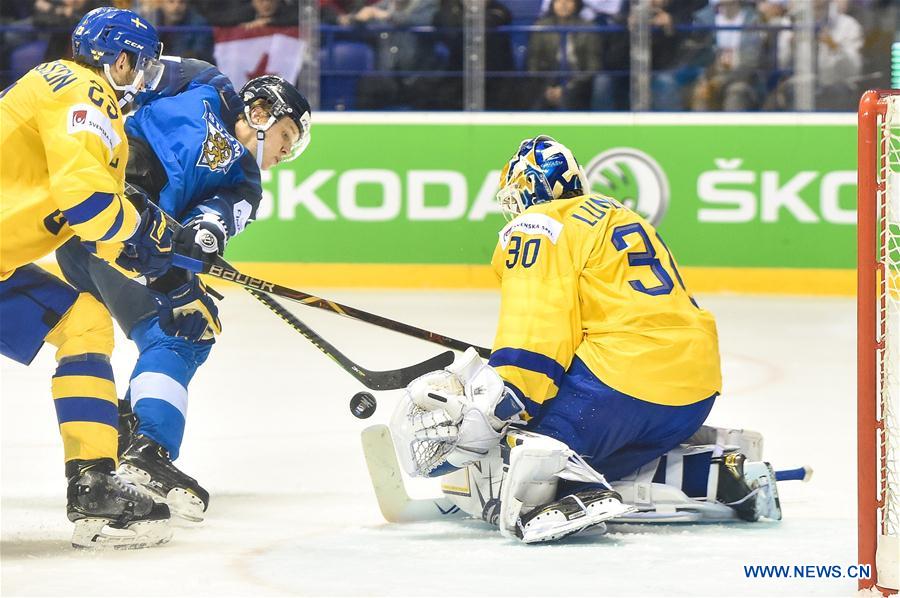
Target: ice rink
292, 512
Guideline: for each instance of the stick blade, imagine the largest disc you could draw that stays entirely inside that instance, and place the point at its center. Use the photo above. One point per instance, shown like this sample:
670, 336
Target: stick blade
400, 378
384, 470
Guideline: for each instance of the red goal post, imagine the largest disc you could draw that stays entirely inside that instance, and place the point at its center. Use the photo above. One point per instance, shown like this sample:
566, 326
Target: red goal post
878, 335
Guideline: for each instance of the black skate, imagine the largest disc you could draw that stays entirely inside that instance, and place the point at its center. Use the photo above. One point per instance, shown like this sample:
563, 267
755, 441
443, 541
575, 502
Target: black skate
748, 487
147, 464
570, 515
109, 512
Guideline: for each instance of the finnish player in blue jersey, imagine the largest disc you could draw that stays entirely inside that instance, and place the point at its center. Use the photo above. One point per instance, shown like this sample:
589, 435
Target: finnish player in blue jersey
197, 148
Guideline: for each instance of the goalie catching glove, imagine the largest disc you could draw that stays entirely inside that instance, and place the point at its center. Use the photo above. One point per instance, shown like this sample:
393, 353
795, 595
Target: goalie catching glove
452, 417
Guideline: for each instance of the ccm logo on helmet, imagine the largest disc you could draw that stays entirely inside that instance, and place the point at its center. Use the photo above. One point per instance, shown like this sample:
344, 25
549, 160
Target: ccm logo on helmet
135, 45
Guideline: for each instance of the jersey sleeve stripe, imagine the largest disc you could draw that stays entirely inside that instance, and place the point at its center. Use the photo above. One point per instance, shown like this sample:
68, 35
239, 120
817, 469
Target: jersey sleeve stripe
116, 225
86, 409
528, 360
89, 208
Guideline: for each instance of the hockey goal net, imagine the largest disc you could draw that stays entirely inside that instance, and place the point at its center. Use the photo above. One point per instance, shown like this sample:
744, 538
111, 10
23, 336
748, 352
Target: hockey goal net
878, 308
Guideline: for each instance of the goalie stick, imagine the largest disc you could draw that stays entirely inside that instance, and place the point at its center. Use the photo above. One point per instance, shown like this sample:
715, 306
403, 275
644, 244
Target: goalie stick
390, 491
221, 269
398, 507
385, 380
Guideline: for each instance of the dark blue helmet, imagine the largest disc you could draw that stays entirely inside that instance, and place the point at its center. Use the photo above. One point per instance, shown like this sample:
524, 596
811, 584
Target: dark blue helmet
281, 99
103, 33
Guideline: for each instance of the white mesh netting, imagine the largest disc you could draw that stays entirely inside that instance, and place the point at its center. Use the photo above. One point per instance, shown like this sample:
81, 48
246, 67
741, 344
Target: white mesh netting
889, 318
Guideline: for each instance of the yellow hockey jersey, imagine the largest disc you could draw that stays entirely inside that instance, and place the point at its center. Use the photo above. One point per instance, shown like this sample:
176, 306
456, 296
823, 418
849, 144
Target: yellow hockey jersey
62, 168
587, 276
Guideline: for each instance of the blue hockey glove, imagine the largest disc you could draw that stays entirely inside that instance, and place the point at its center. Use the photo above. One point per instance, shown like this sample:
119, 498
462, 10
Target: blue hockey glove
149, 250
187, 310
202, 237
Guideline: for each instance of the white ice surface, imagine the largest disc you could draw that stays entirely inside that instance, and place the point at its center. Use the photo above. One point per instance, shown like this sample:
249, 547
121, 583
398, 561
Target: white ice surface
270, 436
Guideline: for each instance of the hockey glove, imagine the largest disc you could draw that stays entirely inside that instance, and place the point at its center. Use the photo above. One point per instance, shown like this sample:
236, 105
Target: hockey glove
187, 310
202, 237
149, 250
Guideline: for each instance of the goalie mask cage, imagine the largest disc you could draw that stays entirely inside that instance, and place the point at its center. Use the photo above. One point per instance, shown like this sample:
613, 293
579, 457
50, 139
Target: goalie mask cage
878, 336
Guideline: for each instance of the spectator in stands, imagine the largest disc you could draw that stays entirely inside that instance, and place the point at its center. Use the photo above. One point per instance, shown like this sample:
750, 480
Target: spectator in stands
223, 13
677, 58
62, 16
270, 13
447, 93
396, 51
599, 11
838, 61
340, 12
556, 55
734, 81
774, 13
187, 44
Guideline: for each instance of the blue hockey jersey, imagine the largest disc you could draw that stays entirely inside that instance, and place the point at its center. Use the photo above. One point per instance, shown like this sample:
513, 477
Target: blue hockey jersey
188, 122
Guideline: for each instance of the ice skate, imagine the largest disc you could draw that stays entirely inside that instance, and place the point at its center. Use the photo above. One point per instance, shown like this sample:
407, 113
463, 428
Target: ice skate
748, 487
570, 515
109, 512
147, 464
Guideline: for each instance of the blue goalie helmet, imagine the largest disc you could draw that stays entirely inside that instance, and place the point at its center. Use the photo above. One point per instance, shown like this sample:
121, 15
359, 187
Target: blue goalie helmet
105, 32
541, 170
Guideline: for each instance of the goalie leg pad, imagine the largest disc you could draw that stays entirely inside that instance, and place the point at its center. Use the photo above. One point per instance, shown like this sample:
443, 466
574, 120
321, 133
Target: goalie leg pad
701, 483
475, 489
528, 509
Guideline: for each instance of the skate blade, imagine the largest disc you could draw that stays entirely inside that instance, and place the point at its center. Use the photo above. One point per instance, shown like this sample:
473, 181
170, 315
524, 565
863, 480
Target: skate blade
556, 531
185, 505
182, 503
96, 533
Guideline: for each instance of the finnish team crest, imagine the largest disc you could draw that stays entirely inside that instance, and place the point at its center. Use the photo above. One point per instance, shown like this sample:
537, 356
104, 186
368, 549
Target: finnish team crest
220, 149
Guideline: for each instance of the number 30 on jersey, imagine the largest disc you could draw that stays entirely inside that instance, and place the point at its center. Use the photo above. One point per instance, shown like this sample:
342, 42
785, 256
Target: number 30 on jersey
524, 253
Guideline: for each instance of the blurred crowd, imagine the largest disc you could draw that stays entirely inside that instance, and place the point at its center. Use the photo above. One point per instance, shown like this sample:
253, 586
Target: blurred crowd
705, 55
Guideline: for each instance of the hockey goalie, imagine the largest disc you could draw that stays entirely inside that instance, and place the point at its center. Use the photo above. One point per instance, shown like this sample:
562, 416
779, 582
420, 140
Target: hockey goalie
603, 371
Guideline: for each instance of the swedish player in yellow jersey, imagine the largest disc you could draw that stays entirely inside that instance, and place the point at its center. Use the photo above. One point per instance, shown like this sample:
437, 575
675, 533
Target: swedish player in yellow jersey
62, 175
602, 362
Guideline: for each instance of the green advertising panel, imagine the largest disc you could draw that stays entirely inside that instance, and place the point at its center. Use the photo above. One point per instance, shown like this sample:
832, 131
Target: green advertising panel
420, 189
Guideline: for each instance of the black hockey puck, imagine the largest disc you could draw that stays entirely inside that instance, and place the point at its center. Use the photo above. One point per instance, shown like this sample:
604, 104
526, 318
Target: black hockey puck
363, 405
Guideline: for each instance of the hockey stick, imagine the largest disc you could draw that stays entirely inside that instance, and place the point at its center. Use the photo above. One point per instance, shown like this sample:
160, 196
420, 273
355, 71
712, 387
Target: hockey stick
221, 269
393, 500
374, 380
398, 507
385, 380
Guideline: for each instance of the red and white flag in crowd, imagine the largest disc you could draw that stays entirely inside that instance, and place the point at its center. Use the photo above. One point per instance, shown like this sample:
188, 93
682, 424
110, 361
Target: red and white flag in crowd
243, 53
